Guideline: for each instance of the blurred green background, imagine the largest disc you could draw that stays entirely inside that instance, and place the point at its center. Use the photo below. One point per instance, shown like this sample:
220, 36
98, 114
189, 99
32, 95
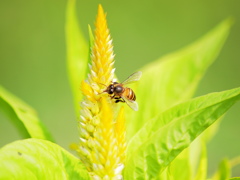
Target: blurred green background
33, 56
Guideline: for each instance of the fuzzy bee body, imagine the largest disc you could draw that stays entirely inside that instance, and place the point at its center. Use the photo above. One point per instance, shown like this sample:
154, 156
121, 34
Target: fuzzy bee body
119, 93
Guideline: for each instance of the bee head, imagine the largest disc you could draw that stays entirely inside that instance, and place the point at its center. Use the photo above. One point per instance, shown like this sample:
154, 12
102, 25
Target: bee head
110, 89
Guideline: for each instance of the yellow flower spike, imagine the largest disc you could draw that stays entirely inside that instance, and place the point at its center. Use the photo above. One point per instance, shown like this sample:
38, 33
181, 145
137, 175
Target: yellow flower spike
121, 133
87, 91
102, 135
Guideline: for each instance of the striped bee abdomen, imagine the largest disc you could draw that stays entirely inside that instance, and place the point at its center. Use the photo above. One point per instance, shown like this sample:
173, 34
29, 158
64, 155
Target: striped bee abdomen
130, 94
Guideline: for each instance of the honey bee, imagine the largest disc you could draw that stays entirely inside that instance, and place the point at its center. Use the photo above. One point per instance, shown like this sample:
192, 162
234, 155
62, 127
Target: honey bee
124, 94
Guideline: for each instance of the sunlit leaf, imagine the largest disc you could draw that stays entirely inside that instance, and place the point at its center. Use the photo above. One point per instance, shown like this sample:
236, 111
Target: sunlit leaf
77, 53
22, 116
180, 167
173, 78
168, 134
198, 152
211, 131
39, 159
91, 43
191, 163
201, 173
224, 171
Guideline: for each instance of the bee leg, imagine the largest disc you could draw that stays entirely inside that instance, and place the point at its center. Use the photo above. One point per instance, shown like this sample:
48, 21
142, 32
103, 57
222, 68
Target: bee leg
119, 99
113, 96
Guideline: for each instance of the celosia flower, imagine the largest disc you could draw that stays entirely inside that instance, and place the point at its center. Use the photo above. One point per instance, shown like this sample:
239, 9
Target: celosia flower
102, 131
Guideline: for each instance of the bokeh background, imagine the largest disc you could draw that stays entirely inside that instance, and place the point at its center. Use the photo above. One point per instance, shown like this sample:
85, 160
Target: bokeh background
33, 56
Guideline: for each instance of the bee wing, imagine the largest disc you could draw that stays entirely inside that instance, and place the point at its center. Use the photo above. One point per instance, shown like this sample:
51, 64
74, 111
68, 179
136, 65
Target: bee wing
133, 78
131, 104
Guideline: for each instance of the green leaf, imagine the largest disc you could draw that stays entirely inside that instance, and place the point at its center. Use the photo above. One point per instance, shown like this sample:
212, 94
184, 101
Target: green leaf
77, 53
191, 163
224, 171
180, 167
173, 78
166, 175
91, 43
211, 131
201, 173
39, 159
158, 143
23, 116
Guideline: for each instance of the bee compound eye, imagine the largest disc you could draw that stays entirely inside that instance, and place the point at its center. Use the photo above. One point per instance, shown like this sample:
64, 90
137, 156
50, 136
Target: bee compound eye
111, 91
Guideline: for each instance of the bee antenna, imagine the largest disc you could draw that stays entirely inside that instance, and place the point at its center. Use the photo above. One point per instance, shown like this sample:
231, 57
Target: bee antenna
102, 92
103, 84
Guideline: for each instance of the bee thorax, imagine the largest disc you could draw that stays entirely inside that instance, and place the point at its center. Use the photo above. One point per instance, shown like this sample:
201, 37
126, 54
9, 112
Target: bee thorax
118, 89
